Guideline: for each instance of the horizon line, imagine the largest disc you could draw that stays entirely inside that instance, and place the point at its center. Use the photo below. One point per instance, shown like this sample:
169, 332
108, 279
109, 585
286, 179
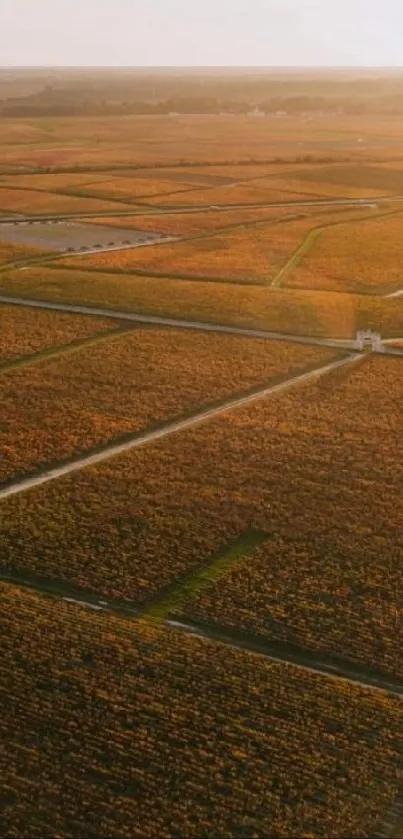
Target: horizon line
201, 67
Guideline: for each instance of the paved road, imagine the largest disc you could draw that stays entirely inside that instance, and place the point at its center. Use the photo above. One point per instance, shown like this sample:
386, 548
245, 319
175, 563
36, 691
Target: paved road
170, 428
202, 208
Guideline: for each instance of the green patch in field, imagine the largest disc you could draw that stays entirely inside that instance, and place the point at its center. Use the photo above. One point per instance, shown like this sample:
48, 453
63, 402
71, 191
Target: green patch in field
175, 596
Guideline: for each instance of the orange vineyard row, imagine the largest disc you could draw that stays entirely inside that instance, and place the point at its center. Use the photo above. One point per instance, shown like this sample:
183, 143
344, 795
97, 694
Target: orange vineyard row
66, 405
25, 331
314, 468
110, 731
281, 310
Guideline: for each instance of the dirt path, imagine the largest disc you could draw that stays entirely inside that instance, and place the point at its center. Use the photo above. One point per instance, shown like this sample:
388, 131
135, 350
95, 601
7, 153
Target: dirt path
146, 437
309, 241
202, 208
177, 323
62, 350
305, 660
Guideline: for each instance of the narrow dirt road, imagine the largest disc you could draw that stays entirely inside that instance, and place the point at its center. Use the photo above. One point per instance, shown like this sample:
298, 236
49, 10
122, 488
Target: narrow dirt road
200, 326
146, 437
304, 661
202, 208
337, 343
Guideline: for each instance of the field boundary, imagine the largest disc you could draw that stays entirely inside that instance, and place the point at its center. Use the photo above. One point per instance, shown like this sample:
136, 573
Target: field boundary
309, 661
166, 602
63, 349
316, 662
309, 242
179, 323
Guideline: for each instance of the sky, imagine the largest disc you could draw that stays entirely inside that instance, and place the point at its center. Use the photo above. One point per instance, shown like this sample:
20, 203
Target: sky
201, 32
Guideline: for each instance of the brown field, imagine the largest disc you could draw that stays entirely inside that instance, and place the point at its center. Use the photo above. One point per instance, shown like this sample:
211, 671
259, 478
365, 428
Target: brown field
190, 224
239, 193
136, 187
329, 576
29, 201
378, 180
244, 254
282, 310
67, 405
355, 257
163, 140
301, 466
277, 526
48, 182
11, 252
26, 331
254, 252
131, 526
112, 730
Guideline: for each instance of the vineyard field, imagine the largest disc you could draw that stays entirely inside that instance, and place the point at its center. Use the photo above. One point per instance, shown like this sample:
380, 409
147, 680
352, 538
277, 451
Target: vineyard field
193, 224
282, 310
142, 733
11, 252
31, 202
355, 257
248, 254
26, 331
67, 405
300, 467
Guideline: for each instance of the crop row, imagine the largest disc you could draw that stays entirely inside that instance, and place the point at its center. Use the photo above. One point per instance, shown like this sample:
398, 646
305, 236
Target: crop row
315, 468
145, 733
69, 404
25, 331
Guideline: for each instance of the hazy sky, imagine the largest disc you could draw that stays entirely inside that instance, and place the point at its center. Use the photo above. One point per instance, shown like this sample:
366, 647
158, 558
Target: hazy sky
201, 32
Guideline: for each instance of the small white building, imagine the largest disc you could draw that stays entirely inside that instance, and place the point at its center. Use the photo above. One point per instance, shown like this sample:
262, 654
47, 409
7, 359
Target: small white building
366, 339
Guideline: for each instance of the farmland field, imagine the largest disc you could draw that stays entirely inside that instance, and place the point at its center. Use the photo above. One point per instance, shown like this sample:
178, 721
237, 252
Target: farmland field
14, 252
31, 202
139, 732
191, 224
201, 616
283, 310
327, 496
254, 253
27, 331
67, 405
354, 257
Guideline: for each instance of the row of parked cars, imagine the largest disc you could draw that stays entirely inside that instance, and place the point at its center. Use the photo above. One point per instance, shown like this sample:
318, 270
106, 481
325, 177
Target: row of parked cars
125, 243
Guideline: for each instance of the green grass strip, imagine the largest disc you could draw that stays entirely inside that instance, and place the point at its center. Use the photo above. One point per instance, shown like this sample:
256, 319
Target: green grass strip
297, 257
176, 595
311, 238
63, 349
